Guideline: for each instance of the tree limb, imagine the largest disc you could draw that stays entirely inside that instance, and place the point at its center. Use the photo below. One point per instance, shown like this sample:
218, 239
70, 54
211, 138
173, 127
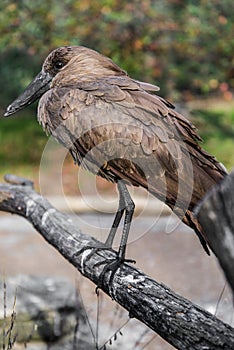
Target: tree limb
181, 323
216, 215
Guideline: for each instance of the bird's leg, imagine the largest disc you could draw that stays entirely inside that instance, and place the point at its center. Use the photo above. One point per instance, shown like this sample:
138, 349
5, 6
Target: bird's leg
127, 204
118, 217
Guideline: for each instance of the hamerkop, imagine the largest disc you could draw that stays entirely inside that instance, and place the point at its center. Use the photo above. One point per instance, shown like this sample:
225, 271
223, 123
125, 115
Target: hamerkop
118, 128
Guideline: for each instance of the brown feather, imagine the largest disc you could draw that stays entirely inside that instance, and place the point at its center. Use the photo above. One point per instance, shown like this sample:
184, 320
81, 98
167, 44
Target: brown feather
118, 128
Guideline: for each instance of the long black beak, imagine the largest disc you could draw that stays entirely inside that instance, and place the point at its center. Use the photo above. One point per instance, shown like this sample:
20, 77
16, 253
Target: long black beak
39, 85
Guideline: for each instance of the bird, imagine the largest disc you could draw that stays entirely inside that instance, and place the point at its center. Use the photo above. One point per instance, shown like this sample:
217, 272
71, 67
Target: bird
121, 129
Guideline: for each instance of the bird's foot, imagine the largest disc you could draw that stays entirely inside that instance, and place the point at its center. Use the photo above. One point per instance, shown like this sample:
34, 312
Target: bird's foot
111, 265
93, 248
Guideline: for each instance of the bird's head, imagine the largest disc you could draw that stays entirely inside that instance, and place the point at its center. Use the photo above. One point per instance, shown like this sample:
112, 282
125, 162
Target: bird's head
65, 66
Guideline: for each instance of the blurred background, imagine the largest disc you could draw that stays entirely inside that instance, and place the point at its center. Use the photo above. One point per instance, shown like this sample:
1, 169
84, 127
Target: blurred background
186, 48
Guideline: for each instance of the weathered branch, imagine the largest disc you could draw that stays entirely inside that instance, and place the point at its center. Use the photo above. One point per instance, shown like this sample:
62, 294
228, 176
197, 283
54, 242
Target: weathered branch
177, 320
216, 215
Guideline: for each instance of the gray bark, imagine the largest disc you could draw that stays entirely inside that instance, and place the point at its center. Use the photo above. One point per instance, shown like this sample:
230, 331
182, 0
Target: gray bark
180, 322
216, 215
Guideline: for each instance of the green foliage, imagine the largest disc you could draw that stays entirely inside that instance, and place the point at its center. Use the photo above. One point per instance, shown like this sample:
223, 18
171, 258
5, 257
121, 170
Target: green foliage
22, 142
217, 130
184, 46
17, 78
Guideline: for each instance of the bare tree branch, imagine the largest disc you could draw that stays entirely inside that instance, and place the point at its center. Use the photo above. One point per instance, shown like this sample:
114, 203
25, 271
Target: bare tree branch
181, 323
216, 215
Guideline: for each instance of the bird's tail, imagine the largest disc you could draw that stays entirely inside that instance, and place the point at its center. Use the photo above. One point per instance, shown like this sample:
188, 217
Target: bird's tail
191, 221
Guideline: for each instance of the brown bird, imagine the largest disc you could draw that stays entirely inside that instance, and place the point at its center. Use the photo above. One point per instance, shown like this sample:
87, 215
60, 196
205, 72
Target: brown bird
118, 128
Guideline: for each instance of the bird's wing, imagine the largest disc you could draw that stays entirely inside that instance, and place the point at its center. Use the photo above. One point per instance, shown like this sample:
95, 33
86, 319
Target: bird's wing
117, 128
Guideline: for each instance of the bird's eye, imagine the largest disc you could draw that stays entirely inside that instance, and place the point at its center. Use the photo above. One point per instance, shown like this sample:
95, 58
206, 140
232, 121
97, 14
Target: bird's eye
58, 64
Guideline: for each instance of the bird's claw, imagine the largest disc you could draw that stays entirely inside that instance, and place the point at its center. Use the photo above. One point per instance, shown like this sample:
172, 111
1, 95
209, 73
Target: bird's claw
111, 265
95, 248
